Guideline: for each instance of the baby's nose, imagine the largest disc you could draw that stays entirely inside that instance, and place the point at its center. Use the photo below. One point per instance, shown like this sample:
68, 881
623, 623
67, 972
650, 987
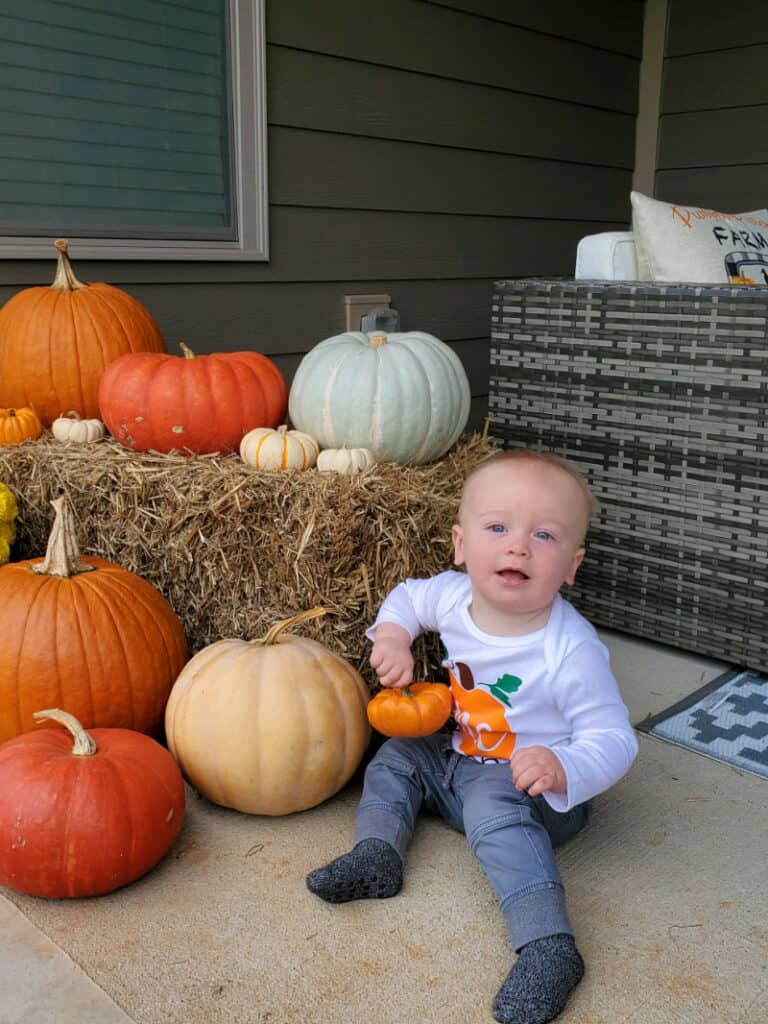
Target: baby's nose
517, 543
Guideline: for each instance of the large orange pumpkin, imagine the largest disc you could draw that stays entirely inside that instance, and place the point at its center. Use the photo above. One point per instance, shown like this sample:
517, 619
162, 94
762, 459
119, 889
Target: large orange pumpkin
56, 341
194, 403
86, 634
83, 819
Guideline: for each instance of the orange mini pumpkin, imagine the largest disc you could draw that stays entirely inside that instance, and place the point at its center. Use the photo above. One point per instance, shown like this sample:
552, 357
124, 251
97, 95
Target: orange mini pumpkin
416, 710
17, 425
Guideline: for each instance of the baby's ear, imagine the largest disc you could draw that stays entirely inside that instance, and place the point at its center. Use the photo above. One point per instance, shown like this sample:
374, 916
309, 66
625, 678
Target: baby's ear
458, 545
578, 558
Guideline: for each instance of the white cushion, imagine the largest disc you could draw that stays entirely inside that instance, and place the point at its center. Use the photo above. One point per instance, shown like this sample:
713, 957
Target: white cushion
608, 256
689, 243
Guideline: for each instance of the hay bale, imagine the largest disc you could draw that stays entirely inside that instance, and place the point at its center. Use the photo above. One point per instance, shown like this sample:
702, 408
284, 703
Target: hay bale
234, 550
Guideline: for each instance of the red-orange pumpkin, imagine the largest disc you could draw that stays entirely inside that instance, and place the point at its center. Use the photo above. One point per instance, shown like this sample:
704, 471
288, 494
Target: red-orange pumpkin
195, 403
87, 634
416, 710
55, 342
83, 819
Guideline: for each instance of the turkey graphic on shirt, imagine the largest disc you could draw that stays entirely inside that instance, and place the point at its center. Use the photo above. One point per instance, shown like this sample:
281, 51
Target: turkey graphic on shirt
479, 711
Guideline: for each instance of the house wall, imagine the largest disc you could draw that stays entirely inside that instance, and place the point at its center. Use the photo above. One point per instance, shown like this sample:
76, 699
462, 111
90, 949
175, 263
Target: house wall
713, 146
418, 149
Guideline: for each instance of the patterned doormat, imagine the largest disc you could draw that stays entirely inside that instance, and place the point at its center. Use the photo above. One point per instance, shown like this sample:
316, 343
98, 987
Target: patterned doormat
726, 720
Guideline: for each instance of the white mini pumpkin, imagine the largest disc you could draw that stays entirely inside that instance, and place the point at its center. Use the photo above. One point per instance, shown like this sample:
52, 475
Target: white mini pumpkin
70, 427
267, 449
404, 396
344, 460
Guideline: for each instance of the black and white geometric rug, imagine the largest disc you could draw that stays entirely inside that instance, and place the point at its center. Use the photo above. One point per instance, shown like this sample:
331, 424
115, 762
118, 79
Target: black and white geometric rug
726, 720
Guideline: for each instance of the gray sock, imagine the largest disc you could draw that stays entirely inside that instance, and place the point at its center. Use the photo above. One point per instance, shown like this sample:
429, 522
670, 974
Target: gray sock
537, 988
371, 870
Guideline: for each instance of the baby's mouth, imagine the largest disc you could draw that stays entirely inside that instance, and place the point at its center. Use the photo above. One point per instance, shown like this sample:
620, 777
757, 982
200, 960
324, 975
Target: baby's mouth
512, 575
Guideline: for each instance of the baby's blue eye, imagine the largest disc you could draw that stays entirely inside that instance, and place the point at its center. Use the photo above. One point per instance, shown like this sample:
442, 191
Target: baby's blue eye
497, 528
543, 535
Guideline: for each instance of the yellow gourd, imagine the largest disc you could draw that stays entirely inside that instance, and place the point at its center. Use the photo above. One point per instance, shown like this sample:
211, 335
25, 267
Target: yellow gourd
8, 512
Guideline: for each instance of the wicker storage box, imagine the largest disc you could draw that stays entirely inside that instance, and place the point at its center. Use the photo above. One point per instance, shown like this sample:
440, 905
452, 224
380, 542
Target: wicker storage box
659, 393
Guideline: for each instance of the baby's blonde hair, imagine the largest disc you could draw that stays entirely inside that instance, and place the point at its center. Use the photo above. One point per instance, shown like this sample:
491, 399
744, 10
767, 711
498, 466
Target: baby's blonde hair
517, 455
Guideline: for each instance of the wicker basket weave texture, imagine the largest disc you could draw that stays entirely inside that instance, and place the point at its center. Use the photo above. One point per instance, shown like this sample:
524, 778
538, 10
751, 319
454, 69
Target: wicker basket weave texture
659, 395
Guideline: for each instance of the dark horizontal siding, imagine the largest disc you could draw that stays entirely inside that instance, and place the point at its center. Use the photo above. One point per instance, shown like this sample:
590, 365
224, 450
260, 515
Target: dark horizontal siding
320, 244
288, 314
416, 148
717, 79
604, 23
388, 103
436, 40
715, 138
735, 189
382, 174
695, 27
713, 144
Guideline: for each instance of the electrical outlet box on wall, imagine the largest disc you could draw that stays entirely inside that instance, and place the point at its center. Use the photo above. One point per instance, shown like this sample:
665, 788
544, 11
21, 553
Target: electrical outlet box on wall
356, 306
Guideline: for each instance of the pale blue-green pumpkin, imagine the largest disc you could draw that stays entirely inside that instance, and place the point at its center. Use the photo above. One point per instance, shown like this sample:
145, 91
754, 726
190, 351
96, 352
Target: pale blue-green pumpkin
403, 396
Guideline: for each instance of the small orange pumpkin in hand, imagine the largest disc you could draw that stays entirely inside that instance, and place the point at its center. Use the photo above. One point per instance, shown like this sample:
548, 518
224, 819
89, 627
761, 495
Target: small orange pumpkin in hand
416, 710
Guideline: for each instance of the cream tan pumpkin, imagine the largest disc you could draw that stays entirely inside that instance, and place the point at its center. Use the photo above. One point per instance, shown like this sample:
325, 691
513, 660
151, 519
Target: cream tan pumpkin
267, 449
268, 726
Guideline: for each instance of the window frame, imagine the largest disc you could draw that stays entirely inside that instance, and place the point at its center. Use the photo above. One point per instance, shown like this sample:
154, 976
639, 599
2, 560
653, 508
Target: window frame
249, 154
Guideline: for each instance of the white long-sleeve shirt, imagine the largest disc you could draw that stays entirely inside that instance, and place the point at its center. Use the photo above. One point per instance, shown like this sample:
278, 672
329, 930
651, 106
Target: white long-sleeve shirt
553, 687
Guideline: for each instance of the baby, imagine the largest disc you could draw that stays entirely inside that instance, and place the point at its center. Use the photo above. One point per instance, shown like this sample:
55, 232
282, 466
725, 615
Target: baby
540, 726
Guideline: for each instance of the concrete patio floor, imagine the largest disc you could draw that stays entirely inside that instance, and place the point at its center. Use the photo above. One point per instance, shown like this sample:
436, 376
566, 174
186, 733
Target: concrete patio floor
666, 890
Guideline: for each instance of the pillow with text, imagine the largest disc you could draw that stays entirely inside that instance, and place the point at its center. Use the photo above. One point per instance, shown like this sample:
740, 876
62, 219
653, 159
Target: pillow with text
689, 243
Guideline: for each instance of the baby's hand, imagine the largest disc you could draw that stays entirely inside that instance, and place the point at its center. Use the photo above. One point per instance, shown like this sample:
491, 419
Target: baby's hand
391, 656
536, 770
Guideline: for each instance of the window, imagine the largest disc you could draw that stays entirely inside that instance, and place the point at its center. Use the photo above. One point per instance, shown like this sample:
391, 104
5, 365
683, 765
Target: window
134, 128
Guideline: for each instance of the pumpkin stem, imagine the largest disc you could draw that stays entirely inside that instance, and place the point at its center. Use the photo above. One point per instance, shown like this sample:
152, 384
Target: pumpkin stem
272, 635
62, 556
377, 340
65, 280
188, 353
84, 745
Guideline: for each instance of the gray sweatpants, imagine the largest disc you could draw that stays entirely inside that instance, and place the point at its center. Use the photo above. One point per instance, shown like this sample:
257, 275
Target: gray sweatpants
511, 834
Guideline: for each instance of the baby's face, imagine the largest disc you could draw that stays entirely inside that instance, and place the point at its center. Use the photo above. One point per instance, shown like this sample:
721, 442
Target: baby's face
520, 533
